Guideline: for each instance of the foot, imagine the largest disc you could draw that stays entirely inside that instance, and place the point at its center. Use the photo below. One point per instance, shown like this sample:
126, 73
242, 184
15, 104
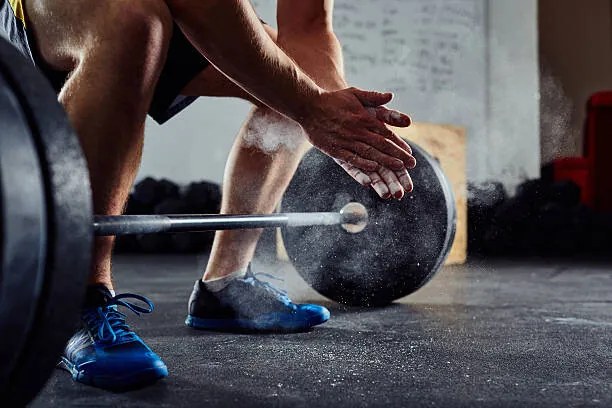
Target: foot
105, 353
249, 304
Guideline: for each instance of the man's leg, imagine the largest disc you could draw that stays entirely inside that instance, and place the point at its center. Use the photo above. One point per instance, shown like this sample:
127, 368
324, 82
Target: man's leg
259, 168
254, 182
115, 51
256, 173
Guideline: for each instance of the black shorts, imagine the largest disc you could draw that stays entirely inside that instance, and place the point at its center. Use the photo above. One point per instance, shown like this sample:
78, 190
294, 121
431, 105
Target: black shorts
183, 63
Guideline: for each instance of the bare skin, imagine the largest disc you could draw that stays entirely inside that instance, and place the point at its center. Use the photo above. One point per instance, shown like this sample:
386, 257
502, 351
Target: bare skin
98, 40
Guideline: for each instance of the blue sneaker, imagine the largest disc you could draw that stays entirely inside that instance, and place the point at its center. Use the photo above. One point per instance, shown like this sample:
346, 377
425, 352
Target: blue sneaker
249, 304
105, 353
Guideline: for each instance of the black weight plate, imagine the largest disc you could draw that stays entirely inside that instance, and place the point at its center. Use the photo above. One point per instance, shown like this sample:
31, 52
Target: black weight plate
23, 231
69, 226
451, 206
402, 247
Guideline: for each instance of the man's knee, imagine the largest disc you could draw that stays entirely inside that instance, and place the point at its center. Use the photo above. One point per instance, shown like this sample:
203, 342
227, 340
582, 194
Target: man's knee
131, 38
138, 25
68, 32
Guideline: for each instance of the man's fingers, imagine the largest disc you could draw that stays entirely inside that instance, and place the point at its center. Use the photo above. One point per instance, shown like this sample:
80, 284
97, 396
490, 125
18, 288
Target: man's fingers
405, 180
353, 158
355, 173
391, 179
380, 128
390, 117
391, 147
379, 143
392, 184
401, 144
371, 98
379, 186
370, 151
409, 159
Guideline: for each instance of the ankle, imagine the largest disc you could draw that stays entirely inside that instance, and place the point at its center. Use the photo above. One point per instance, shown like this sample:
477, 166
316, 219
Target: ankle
100, 279
217, 284
220, 271
98, 294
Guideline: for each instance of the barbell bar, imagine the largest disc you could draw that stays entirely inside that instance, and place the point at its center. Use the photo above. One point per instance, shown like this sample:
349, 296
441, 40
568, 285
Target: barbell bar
352, 218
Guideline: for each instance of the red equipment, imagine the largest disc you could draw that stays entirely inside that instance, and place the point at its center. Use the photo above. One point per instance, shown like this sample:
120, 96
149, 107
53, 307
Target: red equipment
593, 172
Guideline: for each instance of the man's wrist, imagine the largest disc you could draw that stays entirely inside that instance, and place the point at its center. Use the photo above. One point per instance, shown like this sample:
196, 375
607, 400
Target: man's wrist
306, 106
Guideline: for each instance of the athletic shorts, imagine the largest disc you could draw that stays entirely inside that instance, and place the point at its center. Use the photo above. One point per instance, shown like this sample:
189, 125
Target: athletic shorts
183, 63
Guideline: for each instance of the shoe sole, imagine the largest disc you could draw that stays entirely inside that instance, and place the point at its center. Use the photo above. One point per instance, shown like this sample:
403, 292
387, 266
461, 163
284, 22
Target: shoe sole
267, 323
131, 381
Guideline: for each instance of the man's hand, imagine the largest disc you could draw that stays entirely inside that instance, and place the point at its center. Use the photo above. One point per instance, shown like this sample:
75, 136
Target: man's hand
341, 126
386, 183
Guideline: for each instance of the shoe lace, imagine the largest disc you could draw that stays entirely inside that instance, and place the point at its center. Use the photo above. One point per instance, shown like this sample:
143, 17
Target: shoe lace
252, 278
109, 323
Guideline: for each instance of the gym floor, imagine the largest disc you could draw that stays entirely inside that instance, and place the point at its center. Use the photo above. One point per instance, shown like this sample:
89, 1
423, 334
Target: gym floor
490, 333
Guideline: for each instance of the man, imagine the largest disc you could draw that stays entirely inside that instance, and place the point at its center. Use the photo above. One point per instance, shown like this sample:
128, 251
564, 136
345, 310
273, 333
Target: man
113, 62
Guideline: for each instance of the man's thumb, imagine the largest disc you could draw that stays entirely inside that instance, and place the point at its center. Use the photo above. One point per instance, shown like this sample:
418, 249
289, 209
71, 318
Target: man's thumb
372, 98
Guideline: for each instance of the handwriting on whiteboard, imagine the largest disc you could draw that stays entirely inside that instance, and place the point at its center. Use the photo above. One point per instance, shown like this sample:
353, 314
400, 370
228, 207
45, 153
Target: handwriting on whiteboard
416, 44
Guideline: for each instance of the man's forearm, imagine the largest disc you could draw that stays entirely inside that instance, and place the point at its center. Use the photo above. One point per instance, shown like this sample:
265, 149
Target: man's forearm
318, 54
231, 36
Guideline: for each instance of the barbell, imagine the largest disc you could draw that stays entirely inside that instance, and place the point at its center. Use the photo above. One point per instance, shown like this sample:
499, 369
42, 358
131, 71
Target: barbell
353, 218
47, 229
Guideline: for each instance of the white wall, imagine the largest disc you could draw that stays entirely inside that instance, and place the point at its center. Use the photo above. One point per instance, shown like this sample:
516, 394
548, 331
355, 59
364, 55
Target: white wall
494, 94
513, 146
194, 145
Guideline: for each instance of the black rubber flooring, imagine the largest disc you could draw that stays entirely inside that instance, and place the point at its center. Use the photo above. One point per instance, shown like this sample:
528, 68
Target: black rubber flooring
523, 333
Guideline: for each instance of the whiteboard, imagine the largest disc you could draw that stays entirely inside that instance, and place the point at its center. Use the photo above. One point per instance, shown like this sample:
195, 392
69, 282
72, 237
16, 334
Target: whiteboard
430, 53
